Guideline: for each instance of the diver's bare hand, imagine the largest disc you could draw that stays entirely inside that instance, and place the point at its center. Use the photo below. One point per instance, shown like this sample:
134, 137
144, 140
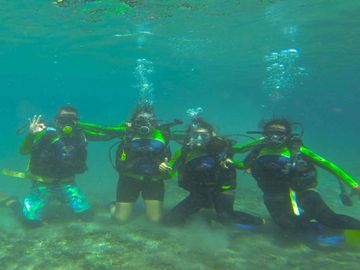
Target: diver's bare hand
165, 166
357, 190
226, 163
36, 124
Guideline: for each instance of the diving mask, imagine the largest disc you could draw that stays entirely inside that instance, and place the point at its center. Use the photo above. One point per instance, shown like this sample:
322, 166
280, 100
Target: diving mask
276, 136
144, 123
199, 138
66, 123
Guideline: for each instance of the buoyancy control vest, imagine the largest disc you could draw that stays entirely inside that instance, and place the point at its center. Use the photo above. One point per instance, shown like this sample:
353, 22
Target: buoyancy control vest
57, 157
142, 155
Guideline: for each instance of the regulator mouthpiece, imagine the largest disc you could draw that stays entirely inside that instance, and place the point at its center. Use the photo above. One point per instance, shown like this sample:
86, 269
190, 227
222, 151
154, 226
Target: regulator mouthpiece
67, 130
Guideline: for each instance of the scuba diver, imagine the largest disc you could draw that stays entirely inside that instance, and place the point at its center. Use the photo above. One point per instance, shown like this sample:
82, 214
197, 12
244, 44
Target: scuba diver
205, 169
285, 171
57, 154
144, 144
143, 147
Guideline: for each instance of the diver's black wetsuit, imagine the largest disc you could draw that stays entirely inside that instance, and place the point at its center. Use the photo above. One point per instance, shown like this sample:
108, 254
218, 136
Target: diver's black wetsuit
276, 173
210, 186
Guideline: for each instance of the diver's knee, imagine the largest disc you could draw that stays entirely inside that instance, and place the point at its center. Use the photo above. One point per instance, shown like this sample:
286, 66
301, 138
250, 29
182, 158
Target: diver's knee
122, 212
119, 218
155, 218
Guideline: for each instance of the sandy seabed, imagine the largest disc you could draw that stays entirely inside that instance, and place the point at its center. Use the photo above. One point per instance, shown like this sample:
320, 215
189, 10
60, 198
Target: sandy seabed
103, 244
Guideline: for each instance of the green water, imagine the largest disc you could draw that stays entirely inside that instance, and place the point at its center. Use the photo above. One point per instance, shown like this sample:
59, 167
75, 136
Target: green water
211, 54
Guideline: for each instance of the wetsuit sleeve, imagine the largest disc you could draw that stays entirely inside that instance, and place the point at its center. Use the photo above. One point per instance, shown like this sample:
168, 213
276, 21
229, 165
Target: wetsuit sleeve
27, 145
238, 149
178, 136
239, 165
102, 133
329, 166
98, 136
